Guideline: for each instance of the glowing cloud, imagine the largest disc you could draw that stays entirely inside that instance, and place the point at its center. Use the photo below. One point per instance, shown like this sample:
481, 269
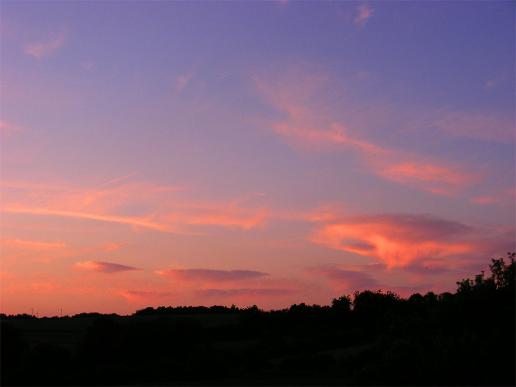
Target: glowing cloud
132, 221
162, 209
398, 239
104, 267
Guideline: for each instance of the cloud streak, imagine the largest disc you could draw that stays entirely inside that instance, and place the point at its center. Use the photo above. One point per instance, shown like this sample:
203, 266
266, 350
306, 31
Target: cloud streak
307, 126
162, 209
209, 275
132, 221
32, 245
104, 267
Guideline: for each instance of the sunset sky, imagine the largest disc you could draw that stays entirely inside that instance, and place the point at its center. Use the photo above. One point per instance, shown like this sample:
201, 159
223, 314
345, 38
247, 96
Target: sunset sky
269, 153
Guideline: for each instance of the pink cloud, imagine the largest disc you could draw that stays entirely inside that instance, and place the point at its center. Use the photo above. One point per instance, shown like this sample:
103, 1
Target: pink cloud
308, 126
363, 13
127, 220
398, 240
41, 49
104, 267
162, 208
499, 197
429, 176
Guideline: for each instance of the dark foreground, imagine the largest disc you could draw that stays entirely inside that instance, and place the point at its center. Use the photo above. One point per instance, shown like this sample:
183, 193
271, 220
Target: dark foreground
466, 338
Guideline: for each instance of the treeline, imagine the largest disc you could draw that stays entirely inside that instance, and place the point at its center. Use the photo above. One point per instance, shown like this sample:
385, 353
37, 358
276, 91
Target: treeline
372, 338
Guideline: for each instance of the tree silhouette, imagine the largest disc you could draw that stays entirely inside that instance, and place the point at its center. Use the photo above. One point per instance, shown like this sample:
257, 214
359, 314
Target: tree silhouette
374, 338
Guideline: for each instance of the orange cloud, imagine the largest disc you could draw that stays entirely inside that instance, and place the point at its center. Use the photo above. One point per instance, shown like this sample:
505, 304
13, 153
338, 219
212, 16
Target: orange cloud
397, 240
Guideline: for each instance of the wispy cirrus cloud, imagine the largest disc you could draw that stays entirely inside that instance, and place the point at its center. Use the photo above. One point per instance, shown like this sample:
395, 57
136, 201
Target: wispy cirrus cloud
210, 275
41, 49
127, 220
163, 208
32, 244
363, 13
505, 197
308, 125
104, 267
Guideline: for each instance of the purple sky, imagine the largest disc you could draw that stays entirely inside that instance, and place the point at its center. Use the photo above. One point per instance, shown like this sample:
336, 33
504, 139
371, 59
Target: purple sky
167, 153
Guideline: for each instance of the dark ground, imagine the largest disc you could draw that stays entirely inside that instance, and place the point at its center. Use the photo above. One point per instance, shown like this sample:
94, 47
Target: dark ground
465, 338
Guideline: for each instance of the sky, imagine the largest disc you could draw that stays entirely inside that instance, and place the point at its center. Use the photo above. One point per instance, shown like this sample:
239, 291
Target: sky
257, 152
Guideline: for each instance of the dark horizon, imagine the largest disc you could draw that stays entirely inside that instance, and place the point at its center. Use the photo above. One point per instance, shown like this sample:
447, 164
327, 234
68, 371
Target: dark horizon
374, 338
